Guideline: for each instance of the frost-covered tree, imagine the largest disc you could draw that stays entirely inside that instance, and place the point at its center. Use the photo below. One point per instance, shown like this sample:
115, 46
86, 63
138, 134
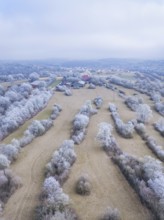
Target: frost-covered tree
61, 161
4, 162
10, 151
87, 109
112, 107
156, 97
147, 177
55, 203
104, 134
54, 193
157, 150
141, 130
124, 129
33, 76
2, 90
68, 92
4, 104
55, 111
106, 139
13, 96
160, 126
36, 128
159, 106
111, 214
61, 88
144, 113
133, 101
18, 113
25, 89
9, 183
91, 86
98, 101
80, 121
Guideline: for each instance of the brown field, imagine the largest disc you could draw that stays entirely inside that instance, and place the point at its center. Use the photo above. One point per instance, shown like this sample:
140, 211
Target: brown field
109, 187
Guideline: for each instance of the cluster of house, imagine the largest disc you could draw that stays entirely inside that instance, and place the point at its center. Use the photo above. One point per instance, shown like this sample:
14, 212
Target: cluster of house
75, 82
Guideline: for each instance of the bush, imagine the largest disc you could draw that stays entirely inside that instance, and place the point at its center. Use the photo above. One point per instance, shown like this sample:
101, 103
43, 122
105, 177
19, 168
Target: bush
111, 214
45, 213
8, 184
133, 101
10, 151
140, 128
83, 186
98, 101
125, 130
157, 150
159, 106
106, 139
80, 122
91, 86
112, 107
68, 92
87, 109
144, 113
55, 111
159, 126
61, 161
4, 162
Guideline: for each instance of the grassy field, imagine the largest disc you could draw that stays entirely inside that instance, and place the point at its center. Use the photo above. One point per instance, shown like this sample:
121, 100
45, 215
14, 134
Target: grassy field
109, 187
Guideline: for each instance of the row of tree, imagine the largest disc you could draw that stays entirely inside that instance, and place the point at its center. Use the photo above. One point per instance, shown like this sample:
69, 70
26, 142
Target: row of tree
54, 202
9, 153
126, 130
150, 141
81, 122
145, 175
18, 113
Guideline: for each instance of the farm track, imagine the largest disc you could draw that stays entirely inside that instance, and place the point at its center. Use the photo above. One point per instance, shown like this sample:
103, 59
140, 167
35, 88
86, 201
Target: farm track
109, 186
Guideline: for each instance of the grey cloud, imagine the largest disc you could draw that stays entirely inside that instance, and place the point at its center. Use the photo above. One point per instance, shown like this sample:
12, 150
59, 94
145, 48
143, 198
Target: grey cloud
82, 29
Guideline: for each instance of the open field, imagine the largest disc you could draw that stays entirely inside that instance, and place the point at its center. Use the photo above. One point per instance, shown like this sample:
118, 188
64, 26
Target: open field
109, 187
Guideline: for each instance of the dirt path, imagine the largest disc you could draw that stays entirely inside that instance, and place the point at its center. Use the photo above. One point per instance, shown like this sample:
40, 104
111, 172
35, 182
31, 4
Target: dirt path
109, 186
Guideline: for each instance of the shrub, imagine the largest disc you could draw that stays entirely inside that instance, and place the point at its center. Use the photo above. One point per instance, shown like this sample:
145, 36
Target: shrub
54, 194
159, 126
125, 130
26, 139
10, 151
144, 113
4, 162
133, 101
61, 161
147, 177
8, 184
81, 121
68, 92
111, 214
112, 107
55, 111
157, 150
87, 109
91, 86
83, 186
106, 139
98, 101
159, 106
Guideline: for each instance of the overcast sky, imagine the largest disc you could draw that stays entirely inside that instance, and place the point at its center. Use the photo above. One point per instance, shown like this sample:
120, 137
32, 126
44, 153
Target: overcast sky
81, 29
